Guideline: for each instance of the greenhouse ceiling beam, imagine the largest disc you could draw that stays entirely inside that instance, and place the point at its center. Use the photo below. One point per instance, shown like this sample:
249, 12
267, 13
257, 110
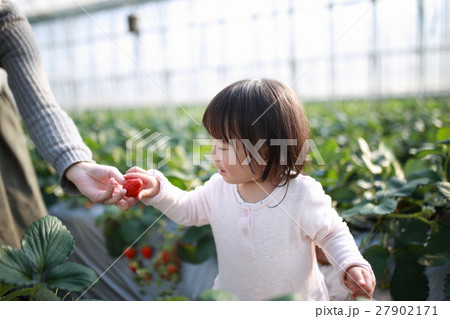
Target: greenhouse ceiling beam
91, 8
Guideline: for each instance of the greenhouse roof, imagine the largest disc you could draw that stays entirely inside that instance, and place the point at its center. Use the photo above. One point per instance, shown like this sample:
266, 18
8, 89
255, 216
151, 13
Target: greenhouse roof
37, 10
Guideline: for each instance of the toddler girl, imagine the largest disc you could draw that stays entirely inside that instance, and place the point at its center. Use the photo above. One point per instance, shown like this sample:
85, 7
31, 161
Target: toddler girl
266, 216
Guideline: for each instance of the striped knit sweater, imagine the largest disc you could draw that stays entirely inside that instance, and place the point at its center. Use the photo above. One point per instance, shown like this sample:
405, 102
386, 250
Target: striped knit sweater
51, 129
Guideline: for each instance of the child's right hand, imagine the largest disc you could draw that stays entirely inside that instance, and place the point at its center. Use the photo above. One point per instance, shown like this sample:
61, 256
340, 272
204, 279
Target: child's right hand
150, 187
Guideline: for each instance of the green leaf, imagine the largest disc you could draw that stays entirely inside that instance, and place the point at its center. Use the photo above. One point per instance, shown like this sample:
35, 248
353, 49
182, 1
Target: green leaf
432, 176
194, 234
114, 242
4, 288
440, 259
15, 267
205, 248
409, 232
354, 210
45, 294
409, 282
187, 253
444, 188
70, 276
446, 167
328, 150
289, 297
447, 287
439, 240
216, 295
386, 206
446, 142
343, 195
367, 157
47, 242
413, 165
400, 188
24, 292
131, 229
174, 298
443, 134
377, 256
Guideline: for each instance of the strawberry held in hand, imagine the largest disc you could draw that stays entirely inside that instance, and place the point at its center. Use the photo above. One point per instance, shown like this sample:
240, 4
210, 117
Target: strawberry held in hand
133, 187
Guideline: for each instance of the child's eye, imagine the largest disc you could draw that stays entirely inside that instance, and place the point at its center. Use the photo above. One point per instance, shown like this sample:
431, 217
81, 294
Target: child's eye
223, 148
220, 145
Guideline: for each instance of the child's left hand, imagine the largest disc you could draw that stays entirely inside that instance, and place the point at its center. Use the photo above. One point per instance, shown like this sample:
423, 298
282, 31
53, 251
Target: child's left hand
360, 282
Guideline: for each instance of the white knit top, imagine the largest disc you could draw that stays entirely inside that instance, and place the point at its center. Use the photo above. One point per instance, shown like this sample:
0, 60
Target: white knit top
266, 250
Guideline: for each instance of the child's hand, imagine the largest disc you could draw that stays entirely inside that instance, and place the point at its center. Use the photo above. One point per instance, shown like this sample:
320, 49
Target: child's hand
150, 187
360, 282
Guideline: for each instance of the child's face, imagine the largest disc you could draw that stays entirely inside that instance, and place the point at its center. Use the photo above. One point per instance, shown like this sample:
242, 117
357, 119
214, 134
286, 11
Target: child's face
231, 162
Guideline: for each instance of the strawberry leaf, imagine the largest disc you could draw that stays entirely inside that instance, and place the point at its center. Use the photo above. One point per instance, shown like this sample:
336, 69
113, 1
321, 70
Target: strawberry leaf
70, 276
15, 267
47, 242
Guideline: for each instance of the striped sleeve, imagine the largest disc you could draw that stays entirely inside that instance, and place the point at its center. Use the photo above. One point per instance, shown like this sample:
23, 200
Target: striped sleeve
53, 132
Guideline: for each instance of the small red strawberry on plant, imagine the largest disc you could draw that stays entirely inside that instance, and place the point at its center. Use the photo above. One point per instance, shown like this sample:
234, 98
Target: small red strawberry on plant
143, 274
146, 252
133, 186
133, 266
172, 269
130, 252
165, 257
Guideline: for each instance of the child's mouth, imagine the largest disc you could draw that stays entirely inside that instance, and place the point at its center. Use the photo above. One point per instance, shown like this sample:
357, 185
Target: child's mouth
221, 172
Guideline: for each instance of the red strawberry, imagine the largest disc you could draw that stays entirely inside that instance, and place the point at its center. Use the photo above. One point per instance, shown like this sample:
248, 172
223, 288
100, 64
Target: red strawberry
133, 187
165, 257
172, 269
132, 267
146, 252
130, 252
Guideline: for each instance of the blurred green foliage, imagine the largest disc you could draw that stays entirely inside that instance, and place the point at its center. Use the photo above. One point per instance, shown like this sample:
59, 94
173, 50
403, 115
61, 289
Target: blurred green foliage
386, 167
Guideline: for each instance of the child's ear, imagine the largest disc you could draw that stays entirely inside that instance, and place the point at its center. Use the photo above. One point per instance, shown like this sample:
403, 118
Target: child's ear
265, 152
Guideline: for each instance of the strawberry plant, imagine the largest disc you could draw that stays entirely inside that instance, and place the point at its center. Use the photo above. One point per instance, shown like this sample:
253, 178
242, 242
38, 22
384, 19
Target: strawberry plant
40, 267
410, 218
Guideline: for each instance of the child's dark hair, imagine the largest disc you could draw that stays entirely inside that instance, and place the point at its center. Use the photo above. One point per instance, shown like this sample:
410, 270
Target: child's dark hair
262, 109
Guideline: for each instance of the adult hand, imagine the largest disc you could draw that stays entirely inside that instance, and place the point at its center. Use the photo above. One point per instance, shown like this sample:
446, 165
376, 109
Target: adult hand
360, 282
100, 183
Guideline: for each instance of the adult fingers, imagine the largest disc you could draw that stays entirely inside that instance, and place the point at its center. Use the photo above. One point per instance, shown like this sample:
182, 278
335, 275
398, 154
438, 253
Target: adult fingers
102, 197
126, 204
116, 174
116, 197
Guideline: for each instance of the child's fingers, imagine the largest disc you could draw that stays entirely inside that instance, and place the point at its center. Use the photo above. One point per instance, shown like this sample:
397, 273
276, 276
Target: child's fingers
126, 204
135, 175
360, 282
146, 193
136, 169
370, 282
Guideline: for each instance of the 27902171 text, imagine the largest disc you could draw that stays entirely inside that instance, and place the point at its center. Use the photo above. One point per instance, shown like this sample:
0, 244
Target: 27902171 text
385, 310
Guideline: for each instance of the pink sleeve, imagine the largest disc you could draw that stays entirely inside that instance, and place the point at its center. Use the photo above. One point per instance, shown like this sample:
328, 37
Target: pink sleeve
189, 208
326, 228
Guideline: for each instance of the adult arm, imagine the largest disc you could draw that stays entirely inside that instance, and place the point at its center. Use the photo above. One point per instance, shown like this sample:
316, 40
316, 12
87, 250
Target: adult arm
53, 132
